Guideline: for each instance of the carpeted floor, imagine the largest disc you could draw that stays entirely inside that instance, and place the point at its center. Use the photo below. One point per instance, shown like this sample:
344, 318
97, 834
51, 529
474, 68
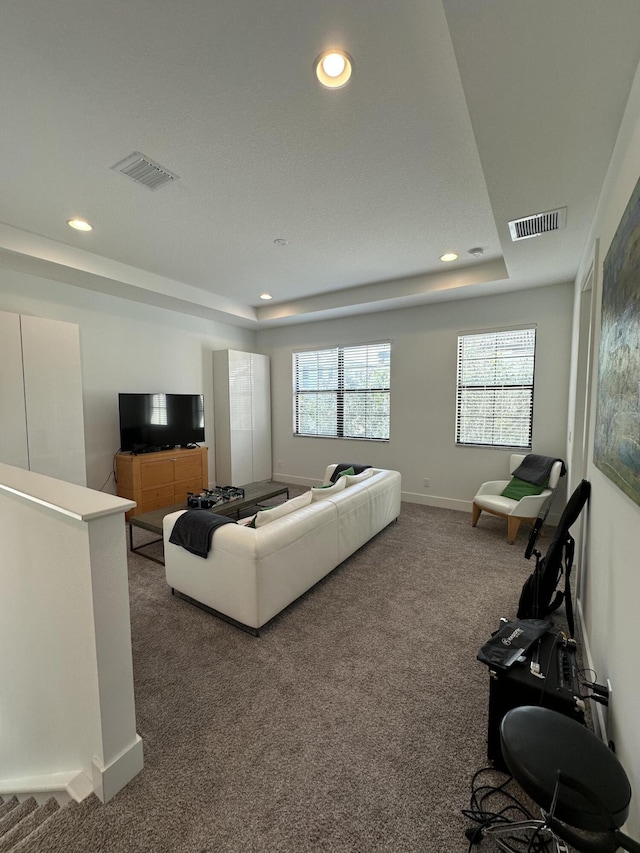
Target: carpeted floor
353, 724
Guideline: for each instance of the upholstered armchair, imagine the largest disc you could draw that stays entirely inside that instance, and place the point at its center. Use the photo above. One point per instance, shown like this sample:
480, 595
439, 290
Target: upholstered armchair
515, 509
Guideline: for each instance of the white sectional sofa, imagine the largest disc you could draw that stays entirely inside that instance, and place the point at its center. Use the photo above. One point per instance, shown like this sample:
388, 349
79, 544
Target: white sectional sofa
251, 574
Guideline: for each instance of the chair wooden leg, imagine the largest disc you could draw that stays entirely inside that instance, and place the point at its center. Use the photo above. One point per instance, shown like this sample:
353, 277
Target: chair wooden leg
475, 514
513, 525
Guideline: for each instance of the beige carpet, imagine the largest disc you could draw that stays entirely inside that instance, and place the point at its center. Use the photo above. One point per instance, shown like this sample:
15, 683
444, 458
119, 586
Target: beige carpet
354, 723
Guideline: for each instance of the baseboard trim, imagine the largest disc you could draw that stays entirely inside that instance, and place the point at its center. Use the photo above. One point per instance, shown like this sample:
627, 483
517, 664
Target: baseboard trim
295, 481
65, 786
76, 784
107, 781
409, 497
457, 504
437, 501
600, 715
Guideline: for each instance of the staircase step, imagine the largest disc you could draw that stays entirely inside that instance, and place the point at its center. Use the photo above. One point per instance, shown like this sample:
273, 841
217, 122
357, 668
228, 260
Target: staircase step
28, 824
17, 814
63, 831
7, 805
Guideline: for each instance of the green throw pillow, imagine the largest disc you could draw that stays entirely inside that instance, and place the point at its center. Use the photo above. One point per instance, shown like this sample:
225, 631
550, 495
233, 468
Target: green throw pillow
348, 472
518, 489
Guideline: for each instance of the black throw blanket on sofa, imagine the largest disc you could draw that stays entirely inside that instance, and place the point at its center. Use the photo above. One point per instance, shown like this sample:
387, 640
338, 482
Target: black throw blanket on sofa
193, 530
536, 469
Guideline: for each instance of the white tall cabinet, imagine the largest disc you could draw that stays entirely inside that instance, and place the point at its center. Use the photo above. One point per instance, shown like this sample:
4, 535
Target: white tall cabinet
41, 414
13, 422
242, 417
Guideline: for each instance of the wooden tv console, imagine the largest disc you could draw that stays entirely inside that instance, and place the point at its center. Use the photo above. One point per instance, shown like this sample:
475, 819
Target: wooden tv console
155, 480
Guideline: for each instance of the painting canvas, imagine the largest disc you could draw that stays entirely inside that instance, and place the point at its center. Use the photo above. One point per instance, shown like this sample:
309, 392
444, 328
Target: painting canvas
617, 438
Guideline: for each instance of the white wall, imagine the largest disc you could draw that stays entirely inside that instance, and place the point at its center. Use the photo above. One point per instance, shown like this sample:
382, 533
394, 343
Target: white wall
610, 576
128, 347
423, 398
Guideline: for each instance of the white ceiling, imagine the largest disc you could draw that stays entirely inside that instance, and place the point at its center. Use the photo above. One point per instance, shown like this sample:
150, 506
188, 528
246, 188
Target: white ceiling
460, 116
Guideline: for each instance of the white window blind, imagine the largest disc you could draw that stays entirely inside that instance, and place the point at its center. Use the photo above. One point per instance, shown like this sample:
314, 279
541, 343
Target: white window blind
343, 392
495, 388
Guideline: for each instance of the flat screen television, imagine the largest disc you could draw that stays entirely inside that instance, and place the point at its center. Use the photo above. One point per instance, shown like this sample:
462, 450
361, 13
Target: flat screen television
160, 421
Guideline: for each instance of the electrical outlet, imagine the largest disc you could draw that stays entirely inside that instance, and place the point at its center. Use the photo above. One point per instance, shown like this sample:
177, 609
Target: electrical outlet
279, 463
425, 482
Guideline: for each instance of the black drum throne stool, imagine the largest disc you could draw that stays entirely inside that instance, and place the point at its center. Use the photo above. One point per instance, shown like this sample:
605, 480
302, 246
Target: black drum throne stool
576, 780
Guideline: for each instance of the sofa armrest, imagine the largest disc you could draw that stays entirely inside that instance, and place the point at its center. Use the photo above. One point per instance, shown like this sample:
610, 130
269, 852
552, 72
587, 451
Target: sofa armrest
531, 505
328, 472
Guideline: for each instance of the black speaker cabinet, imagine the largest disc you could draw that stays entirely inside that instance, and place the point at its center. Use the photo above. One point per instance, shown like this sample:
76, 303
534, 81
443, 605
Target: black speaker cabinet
558, 690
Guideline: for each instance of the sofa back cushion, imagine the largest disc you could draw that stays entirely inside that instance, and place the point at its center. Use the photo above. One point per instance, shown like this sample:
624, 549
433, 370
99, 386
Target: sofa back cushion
346, 467
271, 513
319, 493
352, 479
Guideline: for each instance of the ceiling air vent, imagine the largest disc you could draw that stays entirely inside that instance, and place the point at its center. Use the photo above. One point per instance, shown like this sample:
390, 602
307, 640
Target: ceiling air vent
144, 171
539, 223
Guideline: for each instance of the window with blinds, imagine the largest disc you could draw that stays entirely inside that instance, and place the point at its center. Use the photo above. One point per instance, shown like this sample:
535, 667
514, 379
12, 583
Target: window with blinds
159, 409
343, 392
495, 388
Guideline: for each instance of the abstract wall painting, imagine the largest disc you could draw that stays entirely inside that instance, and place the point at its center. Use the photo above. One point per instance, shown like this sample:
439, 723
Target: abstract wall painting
617, 434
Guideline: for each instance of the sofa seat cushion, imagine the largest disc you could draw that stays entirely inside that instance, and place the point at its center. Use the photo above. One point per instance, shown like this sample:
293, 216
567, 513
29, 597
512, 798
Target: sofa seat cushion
495, 503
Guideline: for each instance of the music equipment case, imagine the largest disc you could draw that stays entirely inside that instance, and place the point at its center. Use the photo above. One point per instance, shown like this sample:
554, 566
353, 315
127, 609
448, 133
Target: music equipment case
557, 690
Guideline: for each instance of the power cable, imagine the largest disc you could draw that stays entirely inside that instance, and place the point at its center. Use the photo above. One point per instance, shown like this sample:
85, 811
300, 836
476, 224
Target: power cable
495, 804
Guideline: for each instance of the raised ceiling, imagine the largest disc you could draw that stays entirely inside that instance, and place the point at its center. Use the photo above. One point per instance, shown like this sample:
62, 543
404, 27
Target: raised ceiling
460, 116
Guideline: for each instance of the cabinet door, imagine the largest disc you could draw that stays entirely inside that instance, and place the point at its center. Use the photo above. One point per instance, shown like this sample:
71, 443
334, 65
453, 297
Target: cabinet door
156, 472
261, 416
13, 427
53, 392
221, 408
189, 467
242, 412
240, 418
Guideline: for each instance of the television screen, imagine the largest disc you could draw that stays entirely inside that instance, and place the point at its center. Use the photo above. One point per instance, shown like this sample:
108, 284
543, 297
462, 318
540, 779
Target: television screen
160, 421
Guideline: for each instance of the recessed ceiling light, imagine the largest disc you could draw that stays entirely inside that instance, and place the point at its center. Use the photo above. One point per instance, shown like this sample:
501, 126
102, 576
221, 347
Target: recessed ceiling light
266, 296
79, 224
450, 256
280, 241
333, 68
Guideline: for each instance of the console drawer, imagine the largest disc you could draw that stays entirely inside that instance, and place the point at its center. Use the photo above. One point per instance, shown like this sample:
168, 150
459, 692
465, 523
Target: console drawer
181, 489
156, 498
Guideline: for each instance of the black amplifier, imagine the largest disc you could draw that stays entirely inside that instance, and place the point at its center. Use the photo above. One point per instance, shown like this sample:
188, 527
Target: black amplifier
556, 687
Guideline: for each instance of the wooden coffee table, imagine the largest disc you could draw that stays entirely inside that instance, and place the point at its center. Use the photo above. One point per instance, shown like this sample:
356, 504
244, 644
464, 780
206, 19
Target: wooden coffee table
254, 495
